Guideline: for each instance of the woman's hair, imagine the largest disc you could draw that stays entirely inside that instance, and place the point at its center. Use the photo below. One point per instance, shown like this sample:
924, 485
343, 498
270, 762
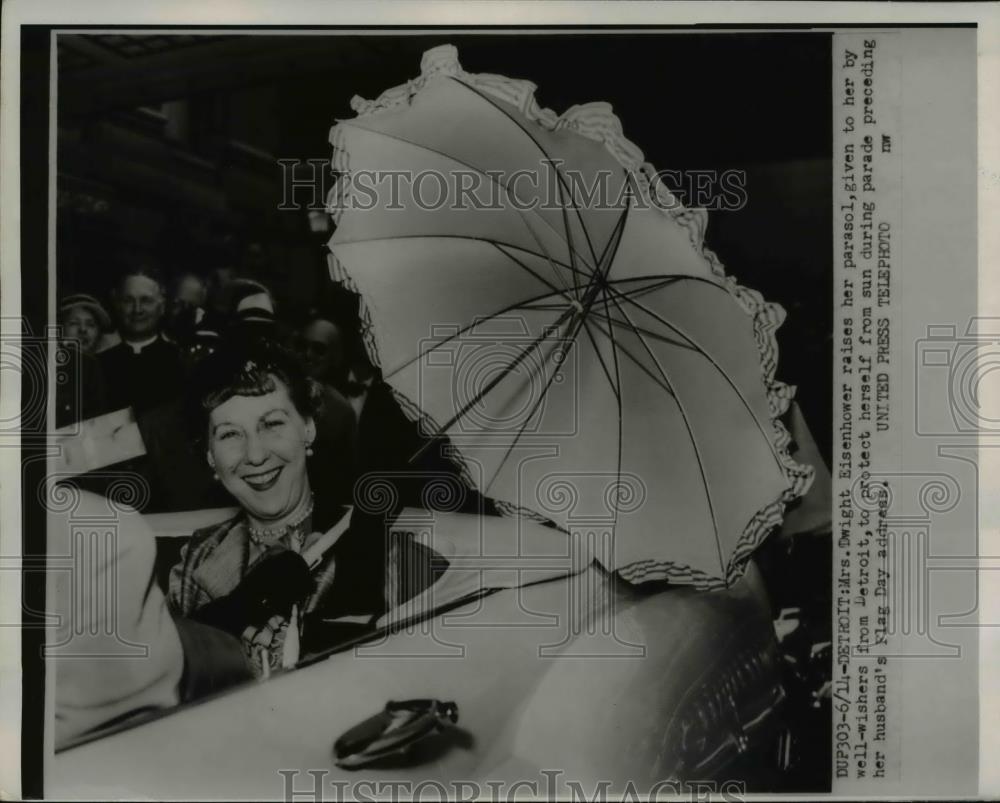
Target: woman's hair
246, 367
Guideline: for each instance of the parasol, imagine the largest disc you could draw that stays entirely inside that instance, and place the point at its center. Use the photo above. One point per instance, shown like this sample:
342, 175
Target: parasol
528, 292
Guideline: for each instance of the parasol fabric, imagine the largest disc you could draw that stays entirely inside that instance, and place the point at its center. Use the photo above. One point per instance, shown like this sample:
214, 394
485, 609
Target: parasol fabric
530, 293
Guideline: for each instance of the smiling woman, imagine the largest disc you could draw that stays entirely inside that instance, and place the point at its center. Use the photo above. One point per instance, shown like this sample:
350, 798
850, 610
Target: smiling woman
252, 410
258, 440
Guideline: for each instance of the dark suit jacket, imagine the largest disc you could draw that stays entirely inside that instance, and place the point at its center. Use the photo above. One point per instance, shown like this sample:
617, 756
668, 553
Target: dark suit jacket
144, 380
391, 445
81, 391
332, 464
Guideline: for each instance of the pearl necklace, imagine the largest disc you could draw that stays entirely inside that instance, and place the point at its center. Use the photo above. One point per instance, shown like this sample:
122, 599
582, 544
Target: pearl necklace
270, 534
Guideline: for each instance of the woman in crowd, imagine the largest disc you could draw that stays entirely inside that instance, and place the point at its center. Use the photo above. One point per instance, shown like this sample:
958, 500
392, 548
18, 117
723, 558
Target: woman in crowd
253, 411
84, 321
80, 386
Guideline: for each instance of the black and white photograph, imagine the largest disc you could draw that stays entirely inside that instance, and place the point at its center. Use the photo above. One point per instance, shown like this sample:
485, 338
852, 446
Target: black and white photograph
405, 346
450, 412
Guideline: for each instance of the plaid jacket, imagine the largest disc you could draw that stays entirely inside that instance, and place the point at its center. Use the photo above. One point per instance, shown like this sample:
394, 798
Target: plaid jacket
212, 563
215, 559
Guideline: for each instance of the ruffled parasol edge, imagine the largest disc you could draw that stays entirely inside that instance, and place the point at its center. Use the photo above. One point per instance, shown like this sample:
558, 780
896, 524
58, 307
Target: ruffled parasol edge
597, 121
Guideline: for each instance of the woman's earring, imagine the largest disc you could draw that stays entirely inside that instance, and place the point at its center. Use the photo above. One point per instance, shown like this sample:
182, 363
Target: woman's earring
215, 476
309, 450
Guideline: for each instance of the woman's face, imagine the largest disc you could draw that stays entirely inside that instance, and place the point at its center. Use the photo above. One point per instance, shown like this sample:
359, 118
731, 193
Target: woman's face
257, 446
79, 324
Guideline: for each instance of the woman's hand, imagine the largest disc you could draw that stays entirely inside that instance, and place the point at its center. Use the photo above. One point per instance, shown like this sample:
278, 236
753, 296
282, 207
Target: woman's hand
280, 579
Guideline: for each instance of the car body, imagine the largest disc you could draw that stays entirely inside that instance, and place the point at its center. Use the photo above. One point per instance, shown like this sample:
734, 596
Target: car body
559, 678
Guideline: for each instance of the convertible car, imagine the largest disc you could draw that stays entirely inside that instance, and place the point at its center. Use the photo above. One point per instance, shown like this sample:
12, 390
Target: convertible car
577, 673
560, 674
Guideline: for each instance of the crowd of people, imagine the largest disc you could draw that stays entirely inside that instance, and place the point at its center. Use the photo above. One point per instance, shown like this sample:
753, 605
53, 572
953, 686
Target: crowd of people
142, 353
138, 356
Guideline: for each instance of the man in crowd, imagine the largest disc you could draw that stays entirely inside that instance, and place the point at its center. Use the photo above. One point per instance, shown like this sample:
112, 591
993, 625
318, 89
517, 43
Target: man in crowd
218, 286
144, 370
319, 347
147, 373
253, 313
322, 349
187, 308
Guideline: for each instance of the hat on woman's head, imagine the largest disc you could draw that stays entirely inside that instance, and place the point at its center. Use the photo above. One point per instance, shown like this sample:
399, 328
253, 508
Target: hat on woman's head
242, 366
90, 304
